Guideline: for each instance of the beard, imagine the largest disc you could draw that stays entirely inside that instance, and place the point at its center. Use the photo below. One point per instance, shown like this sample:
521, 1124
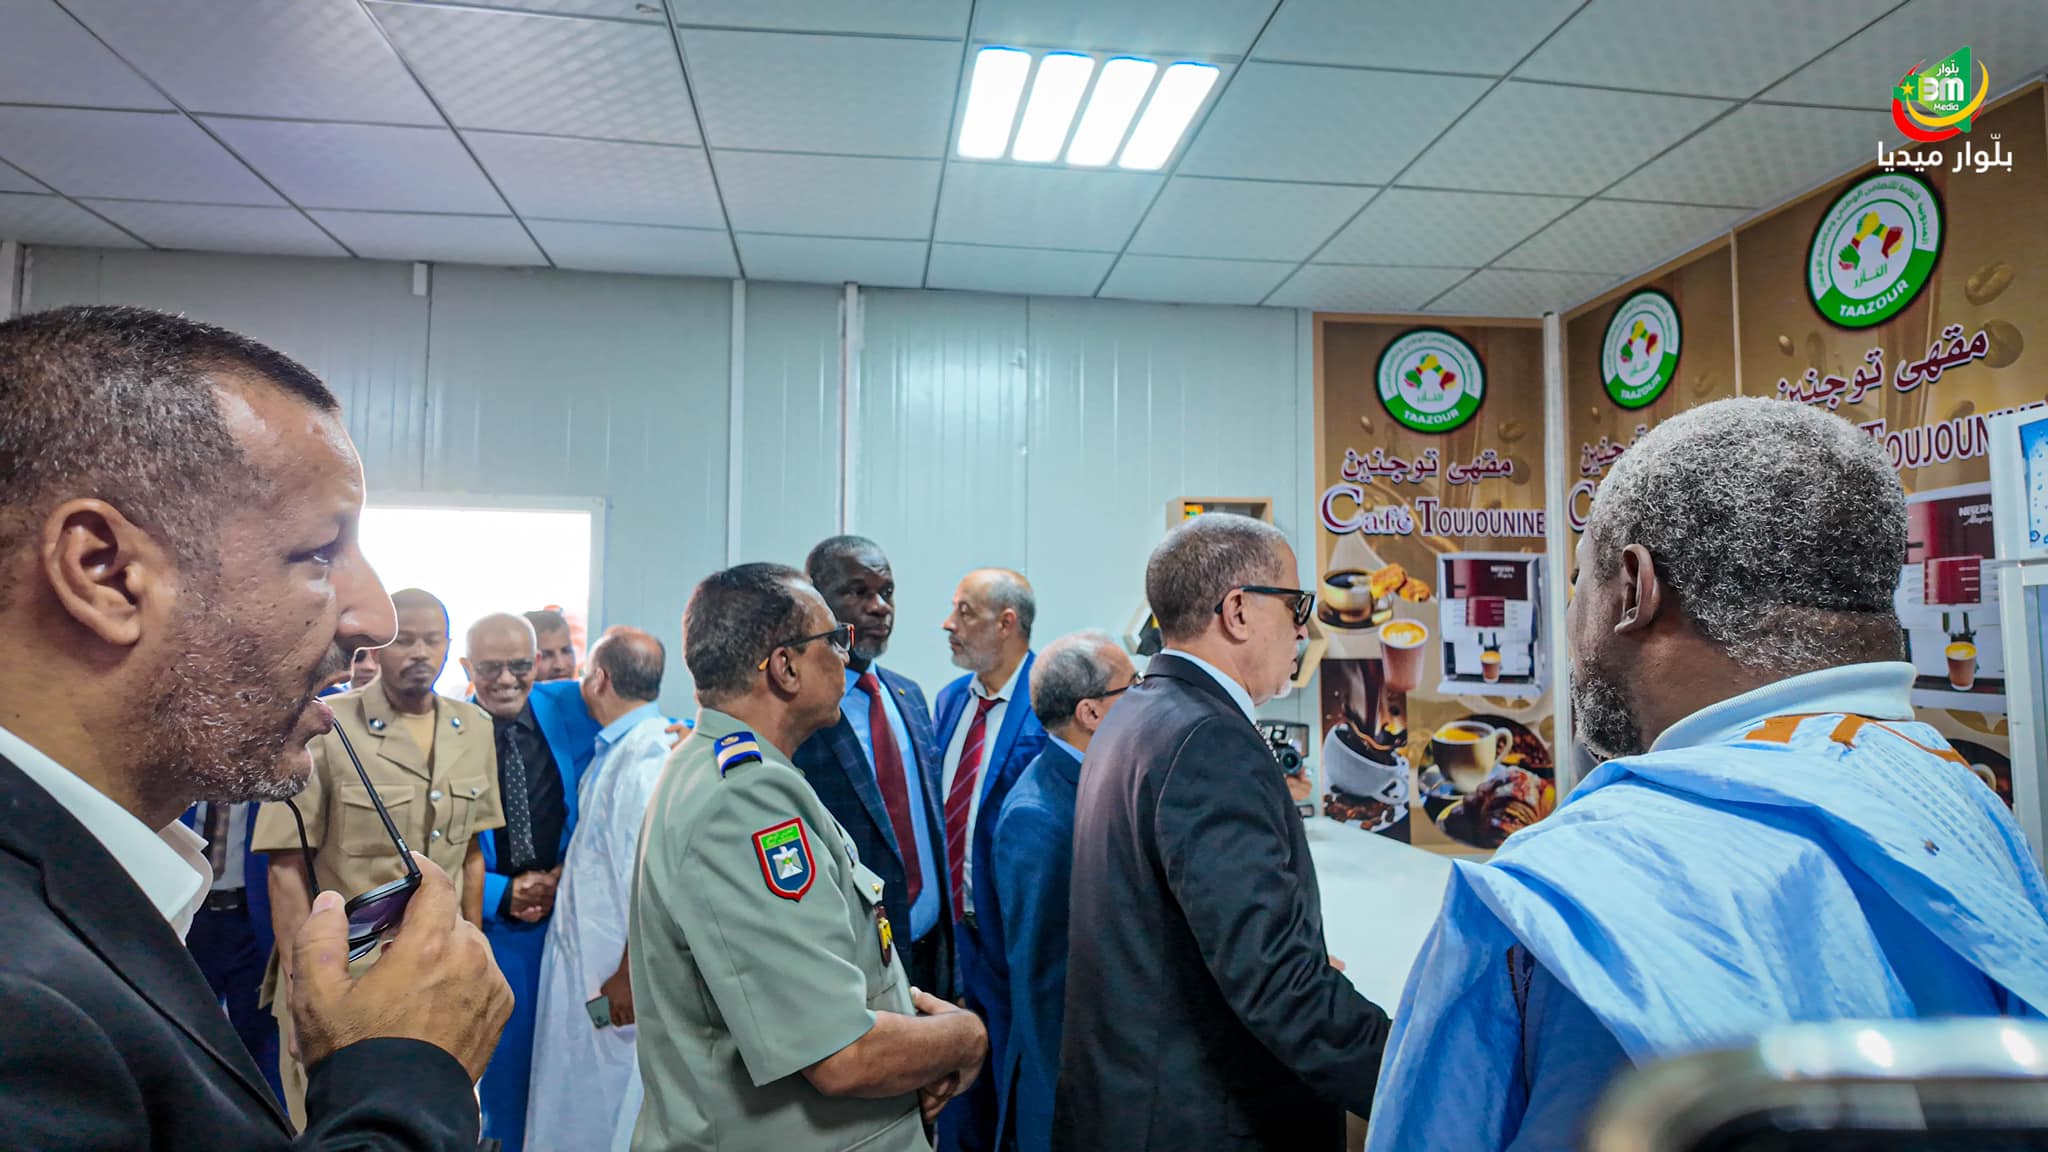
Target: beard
1603, 716
224, 724
868, 651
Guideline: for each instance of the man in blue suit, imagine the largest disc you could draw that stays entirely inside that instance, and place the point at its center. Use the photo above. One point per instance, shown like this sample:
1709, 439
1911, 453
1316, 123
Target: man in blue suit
231, 934
545, 738
876, 769
987, 745
1073, 684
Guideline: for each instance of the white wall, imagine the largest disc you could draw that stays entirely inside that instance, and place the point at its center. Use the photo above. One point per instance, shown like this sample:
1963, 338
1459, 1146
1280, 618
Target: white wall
1042, 434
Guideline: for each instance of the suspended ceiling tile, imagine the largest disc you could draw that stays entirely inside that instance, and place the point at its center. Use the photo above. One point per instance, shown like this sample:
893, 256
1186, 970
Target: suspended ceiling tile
1760, 154
1730, 48
129, 155
1474, 36
1022, 271
518, 72
217, 228
454, 239
316, 59
46, 58
641, 10
1245, 220
833, 260
1203, 28
601, 180
13, 179
1619, 238
2009, 37
362, 166
1031, 207
1357, 288
1188, 280
1417, 227
55, 220
1495, 292
636, 248
939, 18
851, 94
1556, 139
831, 195
1295, 122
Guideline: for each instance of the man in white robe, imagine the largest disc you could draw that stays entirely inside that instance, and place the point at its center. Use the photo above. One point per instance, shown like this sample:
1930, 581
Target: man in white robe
585, 1076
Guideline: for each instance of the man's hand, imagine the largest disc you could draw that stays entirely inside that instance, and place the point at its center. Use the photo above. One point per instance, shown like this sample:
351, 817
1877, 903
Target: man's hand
962, 1077
1336, 963
933, 1098
677, 733
435, 980
618, 989
533, 895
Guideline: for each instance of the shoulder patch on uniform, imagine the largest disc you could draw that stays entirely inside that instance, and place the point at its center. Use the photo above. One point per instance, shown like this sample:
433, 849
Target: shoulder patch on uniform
735, 750
784, 851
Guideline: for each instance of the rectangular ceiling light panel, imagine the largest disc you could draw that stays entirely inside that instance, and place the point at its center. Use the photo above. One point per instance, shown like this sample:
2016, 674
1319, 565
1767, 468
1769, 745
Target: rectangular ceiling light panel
1060, 89
992, 97
1181, 91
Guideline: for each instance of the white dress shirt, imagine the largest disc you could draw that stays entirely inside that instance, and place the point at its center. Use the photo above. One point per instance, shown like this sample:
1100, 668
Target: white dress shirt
957, 744
169, 864
1229, 683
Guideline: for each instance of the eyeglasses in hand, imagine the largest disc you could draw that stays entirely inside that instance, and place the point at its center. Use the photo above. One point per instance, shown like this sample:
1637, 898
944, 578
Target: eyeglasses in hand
374, 913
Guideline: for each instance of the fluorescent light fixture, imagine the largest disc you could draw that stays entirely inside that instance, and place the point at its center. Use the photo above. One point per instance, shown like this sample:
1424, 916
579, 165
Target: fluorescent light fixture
1118, 92
992, 101
1055, 94
1181, 90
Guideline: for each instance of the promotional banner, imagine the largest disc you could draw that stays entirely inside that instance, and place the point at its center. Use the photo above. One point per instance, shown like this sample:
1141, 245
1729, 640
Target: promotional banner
1436, 702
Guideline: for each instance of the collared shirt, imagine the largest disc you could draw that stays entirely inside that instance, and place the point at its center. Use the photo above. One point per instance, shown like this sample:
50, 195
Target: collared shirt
957, 744
545, 804
855, 706
1069, 749
169, 864
1229, 683
608, 737
1881, 691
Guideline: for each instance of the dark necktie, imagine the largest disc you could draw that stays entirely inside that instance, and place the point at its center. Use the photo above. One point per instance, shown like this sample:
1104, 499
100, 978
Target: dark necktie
889, 774
518, 810
216, 833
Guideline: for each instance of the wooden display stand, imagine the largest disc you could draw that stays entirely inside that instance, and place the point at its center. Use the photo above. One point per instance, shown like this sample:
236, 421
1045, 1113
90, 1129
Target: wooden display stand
1189, 507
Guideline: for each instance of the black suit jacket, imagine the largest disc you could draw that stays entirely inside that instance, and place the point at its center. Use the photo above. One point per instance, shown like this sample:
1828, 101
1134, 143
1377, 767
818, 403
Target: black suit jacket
1202, 1012
110, 1038
836, 766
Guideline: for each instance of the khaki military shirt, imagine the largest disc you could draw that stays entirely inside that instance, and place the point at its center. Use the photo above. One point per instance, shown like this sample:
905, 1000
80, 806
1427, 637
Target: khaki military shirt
760, 946
439, 801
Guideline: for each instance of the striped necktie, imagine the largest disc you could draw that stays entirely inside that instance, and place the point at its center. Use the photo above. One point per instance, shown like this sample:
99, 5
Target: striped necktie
960, 803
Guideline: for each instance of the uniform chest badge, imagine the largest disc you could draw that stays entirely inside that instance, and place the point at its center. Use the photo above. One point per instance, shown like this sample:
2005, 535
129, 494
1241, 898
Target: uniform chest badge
883, 930
785, 855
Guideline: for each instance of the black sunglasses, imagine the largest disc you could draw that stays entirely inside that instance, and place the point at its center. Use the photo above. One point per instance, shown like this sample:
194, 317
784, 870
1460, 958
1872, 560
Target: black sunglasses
841, 638
1304, 601
379, 910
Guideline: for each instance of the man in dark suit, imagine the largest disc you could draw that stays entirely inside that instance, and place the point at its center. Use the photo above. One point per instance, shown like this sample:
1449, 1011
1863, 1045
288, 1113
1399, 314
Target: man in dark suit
231, 936
874, 769
1203, 1010
179, 577
987, 744
1074, 683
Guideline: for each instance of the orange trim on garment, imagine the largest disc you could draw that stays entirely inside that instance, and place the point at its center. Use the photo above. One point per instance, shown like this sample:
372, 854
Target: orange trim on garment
1779, 729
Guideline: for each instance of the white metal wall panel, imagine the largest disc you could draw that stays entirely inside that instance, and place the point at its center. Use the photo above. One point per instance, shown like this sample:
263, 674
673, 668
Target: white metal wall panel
567, 384
355, 323
938, 464
789, 437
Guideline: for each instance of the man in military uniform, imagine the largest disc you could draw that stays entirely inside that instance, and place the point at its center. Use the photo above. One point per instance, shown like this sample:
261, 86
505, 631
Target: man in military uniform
773, 1009
433, 763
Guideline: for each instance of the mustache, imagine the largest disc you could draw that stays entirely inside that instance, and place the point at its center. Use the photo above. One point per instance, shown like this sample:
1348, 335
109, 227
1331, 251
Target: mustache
332, 669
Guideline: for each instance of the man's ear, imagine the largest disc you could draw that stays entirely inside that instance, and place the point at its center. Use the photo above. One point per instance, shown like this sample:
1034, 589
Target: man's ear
1235, 624
782, 673
104, 569
1642, 593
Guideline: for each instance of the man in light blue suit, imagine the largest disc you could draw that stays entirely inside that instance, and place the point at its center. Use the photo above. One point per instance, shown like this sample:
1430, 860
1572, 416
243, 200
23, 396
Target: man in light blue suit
1074, 683
545, 738
988, 742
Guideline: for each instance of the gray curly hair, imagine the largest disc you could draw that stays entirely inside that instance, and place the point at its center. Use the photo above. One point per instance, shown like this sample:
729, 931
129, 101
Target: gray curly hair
1780, 528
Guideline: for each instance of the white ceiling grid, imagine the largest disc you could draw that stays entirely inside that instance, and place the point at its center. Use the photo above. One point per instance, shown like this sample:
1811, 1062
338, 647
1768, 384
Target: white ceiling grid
1486, 157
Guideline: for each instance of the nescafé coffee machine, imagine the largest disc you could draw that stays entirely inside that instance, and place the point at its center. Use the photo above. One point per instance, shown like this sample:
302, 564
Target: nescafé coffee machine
1948, 601
1491, 624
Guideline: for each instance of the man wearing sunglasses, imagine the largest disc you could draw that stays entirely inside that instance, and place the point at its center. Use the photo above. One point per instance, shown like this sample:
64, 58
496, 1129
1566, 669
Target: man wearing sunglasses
768, 984
180, 576
1203, 1011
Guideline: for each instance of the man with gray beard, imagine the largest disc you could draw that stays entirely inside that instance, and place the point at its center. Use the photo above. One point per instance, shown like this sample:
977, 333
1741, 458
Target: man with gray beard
1771, 838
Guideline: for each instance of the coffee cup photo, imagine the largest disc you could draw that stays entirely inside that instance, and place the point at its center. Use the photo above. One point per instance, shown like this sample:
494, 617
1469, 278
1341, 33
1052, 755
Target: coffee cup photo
1466, 751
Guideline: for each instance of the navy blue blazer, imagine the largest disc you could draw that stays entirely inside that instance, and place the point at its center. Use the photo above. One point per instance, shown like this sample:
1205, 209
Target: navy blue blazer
255, 874
983, 971
837, 768
1034, 866
572, 739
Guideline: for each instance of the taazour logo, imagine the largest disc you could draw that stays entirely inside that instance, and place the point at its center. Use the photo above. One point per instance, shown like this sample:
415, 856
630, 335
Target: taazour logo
1430, 380
1875, 249
1639, 356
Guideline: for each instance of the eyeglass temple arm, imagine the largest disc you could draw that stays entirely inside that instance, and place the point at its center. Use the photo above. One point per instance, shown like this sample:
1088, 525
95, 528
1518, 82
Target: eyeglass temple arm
383, 813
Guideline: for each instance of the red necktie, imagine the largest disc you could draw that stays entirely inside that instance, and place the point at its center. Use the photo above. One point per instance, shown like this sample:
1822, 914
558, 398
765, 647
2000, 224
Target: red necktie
960, 804
889, 774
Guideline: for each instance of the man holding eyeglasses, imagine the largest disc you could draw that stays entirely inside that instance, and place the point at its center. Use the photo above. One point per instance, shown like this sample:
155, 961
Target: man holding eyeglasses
773, 1008
431, 762
1203, 1011
1075, 682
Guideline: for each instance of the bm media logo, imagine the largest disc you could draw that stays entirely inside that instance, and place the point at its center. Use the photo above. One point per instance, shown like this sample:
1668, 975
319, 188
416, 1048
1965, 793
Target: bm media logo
1932, 104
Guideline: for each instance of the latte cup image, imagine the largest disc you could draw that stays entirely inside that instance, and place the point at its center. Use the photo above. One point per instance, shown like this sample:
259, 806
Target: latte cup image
1401, 644
1466, 751
1962, 665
